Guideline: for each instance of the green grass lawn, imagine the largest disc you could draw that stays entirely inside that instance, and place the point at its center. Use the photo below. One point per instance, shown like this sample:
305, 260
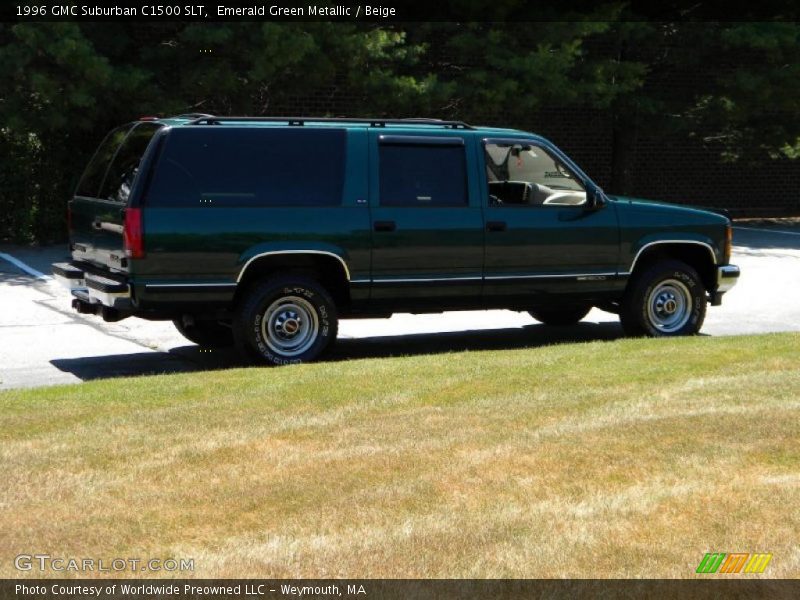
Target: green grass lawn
629, 458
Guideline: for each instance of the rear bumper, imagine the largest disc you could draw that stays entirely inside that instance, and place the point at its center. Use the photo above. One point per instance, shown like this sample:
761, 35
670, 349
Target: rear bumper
69, 276
112, 291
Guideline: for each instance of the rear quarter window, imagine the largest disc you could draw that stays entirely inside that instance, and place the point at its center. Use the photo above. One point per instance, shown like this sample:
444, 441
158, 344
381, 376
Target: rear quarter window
215, 166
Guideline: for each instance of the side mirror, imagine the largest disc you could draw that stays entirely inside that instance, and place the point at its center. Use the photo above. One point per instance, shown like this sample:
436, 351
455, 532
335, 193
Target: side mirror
595, 198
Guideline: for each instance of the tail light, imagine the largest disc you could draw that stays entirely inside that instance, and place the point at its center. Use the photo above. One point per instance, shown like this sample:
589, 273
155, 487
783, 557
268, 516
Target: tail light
133, 233
726, 258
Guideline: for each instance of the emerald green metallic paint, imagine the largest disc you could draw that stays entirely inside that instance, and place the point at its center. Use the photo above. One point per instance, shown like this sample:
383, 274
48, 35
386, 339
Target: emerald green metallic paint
643, 223
97, 228
435, 253
433, 258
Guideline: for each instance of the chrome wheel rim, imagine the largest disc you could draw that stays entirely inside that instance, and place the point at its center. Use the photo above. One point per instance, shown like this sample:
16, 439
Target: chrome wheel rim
669, 306
290, 326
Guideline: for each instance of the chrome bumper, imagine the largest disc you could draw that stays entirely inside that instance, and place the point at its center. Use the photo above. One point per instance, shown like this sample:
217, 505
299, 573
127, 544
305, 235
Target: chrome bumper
727, 276
92, 288
69, 276
118, 296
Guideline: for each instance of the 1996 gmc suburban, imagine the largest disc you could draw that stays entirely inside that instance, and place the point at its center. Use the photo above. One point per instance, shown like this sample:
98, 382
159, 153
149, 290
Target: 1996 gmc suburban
263, 232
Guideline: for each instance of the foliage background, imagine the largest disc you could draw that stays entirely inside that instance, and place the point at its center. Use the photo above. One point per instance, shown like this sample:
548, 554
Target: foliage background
705, 113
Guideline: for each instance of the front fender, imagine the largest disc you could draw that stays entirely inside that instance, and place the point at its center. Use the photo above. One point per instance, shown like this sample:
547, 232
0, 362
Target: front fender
636, 249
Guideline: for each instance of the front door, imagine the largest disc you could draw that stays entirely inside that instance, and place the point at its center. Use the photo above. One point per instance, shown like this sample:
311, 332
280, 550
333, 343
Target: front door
543, 241
427, 226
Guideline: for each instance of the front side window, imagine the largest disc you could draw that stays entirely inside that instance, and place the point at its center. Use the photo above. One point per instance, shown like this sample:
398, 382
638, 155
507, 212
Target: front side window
527, 175
422, 175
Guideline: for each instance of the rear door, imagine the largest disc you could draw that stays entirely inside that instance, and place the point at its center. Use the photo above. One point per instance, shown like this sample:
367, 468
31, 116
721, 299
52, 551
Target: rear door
103, 193
427, 228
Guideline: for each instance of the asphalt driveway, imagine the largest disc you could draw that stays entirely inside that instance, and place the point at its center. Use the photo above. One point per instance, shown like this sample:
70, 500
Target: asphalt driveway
43, 342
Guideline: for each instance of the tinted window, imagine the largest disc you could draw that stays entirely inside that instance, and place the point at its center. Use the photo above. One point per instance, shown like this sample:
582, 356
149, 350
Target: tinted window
93, 176
422, 175
207, 165
119, 179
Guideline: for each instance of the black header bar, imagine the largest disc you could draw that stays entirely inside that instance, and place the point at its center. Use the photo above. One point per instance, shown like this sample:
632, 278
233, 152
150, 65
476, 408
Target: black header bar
388, 11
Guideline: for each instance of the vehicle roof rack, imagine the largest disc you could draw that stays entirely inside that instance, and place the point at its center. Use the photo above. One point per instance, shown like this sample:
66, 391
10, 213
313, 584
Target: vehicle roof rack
301, 121
192, 116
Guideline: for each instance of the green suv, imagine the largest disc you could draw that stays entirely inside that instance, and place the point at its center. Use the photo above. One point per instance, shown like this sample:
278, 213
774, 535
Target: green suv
263, 232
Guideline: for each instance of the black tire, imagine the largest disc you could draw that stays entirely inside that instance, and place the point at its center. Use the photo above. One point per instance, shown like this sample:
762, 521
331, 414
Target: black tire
285, 300
560, 317
666, 299
209, 334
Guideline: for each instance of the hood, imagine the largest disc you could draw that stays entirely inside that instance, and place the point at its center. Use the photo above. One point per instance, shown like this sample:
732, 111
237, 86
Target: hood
644, 202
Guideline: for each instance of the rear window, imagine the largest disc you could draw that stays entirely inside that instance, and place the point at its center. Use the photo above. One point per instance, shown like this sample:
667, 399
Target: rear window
213, 166
94, 174
122, 172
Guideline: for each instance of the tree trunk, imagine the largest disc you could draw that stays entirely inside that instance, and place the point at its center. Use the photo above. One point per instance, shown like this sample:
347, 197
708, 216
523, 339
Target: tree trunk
623, 153
624, 134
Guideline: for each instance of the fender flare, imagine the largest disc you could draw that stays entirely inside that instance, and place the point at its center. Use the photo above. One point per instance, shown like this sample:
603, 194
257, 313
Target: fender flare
297, 251
644, 247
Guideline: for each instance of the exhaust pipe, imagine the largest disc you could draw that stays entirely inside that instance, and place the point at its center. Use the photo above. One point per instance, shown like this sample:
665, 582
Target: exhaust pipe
84, 308
111, 315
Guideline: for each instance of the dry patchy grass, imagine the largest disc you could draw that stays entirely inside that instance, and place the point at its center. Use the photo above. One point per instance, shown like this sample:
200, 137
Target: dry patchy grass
623, 459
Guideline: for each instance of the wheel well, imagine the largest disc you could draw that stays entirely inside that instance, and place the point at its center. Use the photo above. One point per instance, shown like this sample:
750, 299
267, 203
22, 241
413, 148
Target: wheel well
695, 255
326, 269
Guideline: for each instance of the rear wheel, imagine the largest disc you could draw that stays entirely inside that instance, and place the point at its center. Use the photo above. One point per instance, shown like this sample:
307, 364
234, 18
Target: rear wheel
560, 316
288, 319
210, 334
666, 299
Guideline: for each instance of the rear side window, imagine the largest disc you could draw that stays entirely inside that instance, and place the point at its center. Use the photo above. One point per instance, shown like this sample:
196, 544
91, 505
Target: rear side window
122, 172
422, 175
92, 178
214, 166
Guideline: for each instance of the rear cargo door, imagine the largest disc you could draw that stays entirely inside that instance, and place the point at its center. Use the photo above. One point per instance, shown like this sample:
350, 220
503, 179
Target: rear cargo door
97, 209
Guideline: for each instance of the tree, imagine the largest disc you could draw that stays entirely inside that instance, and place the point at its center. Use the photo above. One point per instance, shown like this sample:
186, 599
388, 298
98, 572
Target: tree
731, 85
53, 86
64, 85
751, 109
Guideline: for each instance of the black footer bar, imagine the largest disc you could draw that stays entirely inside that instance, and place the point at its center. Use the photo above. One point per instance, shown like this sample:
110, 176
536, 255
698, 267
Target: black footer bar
405, 589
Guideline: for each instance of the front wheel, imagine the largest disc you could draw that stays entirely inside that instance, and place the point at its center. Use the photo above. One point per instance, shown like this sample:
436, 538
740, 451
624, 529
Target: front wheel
560, 317
286, 320
667, 299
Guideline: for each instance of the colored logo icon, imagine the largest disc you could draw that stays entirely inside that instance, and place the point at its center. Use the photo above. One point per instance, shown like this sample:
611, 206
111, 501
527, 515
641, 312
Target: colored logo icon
741, 562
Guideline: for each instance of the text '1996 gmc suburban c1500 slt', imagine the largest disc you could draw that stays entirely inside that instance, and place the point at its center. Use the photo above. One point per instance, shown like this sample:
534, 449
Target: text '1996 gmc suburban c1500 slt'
263, 232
